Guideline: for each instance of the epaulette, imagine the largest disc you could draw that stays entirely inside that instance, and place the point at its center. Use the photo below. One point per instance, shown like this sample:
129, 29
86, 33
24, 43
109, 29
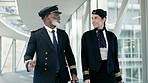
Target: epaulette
32, 31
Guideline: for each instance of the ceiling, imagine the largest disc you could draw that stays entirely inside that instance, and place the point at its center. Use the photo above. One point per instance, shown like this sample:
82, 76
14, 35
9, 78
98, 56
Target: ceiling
7, 31
28, 10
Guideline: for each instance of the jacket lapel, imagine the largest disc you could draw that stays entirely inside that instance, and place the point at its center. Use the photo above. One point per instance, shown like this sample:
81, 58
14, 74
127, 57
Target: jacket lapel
45, 36
109, 42
95, 40
94, 37
59, 35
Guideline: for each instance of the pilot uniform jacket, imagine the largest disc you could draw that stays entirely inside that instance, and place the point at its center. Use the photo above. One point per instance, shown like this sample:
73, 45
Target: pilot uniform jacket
45, 69
91, 56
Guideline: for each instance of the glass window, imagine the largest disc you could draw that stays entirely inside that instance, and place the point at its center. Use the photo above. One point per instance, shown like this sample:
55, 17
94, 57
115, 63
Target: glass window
136, 17
134, 1
120, 43
7, 0
7, 55
80, 21
111, 0
129, 40
112, 14
127, 56
126, 34
128, 75
93, 4
114, 0
128, 17
135, 75
93, 7
8, 10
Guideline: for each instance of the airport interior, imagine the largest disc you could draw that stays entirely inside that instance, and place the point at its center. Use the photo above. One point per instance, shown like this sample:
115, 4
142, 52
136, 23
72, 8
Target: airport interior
128, 19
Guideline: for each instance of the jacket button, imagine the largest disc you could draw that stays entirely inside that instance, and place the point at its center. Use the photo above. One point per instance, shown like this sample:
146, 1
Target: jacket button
46, 58
46, 52
45, 63
45, 69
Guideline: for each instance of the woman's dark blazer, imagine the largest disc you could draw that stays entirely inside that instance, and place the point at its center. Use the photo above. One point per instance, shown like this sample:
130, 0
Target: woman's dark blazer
45, 69
91, 57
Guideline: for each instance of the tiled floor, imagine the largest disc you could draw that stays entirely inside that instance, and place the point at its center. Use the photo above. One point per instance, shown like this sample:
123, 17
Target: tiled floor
18, 77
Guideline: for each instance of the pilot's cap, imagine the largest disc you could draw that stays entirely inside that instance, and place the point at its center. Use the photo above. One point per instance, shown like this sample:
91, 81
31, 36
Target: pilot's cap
47, 10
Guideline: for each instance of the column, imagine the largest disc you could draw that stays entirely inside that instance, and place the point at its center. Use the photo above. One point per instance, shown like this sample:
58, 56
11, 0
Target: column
0, 55
14, 56
144, 29
122, 12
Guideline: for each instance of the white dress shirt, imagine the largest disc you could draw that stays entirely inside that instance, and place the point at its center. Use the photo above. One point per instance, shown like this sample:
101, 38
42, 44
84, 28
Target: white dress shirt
104, 51
49, 30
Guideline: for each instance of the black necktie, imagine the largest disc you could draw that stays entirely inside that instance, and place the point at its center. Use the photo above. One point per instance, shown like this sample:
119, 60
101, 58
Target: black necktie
101, 39
55, 43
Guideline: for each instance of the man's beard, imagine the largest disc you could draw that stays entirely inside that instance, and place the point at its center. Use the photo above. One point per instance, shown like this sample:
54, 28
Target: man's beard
56, 23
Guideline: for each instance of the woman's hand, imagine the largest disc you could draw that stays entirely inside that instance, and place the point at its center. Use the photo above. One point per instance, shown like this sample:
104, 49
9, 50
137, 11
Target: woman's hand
74, 78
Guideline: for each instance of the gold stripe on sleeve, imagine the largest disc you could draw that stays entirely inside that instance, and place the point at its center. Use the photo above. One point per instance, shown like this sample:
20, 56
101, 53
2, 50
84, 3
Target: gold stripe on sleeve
72, 67
27, 61
117, 74
85, 72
